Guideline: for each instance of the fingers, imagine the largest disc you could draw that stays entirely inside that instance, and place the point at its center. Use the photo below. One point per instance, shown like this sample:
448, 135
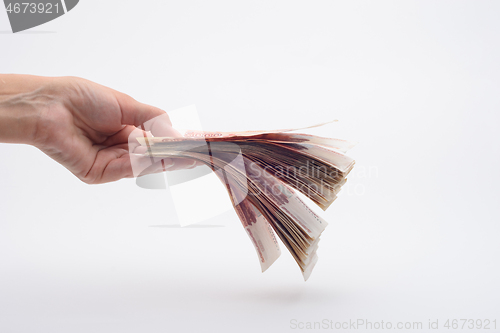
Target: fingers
166, 164
142, 165
110, 164
160, 126
114, 163
145, 117
145, 120
127, 134
124, 168
182, 163
136, 113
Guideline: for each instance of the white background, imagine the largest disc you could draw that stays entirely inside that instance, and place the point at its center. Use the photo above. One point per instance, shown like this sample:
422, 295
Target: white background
413, 237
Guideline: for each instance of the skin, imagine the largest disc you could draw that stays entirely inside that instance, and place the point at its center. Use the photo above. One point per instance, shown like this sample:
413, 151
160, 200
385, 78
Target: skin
82, 125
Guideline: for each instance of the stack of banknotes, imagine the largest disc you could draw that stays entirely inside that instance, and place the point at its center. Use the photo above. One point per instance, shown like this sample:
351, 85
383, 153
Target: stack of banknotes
262, 170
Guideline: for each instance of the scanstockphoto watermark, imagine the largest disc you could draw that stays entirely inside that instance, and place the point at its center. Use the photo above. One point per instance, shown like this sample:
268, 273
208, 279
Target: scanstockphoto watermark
327, 180
355, 324
314, 179
366, 324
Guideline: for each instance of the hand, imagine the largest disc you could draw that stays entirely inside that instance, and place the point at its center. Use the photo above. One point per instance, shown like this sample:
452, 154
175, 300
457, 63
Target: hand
84, 126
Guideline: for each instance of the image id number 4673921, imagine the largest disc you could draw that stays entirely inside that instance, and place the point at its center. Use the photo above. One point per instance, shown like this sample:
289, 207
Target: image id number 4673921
32, 8
470, 324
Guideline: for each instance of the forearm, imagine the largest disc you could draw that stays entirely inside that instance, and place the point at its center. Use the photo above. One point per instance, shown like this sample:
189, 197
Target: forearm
22, 98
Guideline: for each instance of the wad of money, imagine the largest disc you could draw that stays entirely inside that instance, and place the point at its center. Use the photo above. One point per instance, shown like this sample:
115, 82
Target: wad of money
262, 170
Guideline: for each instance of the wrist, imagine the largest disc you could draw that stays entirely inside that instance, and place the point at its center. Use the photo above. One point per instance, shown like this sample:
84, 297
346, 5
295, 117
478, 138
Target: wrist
23, 102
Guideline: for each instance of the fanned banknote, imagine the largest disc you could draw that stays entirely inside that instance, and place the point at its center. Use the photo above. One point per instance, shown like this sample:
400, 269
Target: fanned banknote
261, 171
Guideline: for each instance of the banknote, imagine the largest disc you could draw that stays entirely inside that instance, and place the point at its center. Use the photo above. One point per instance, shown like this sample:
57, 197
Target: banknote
261, 171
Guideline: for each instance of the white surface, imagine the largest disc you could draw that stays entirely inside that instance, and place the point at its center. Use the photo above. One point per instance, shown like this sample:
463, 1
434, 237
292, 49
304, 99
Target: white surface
209, 194
413, 237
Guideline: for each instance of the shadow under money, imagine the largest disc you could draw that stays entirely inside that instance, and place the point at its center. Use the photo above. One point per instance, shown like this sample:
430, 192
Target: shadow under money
283, 295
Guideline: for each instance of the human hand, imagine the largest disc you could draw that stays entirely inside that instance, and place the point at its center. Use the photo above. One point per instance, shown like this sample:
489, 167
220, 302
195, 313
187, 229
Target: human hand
85, 126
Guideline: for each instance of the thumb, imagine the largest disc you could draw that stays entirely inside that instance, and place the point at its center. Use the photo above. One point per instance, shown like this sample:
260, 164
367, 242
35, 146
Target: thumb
136, 113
